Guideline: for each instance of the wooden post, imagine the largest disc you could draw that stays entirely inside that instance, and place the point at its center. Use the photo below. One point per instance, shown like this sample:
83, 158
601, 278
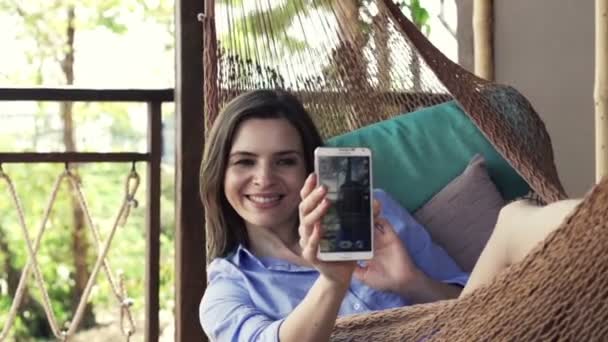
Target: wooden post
483, 32
190, 262
155, 143
601, 89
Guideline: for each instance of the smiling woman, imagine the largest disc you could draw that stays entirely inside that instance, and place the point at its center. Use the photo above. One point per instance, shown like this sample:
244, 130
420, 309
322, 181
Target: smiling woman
263, 230
259, 131
265, 173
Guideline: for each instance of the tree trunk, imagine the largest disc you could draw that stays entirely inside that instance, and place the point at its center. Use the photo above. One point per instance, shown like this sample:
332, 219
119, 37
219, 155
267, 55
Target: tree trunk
601, 89
349, 61
347, 15
80, 243
382, 49
415, 63
482, 33
348, 56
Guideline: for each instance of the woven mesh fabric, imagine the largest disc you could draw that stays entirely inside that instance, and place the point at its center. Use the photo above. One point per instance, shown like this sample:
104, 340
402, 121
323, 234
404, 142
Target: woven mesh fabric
352, 65
557, 293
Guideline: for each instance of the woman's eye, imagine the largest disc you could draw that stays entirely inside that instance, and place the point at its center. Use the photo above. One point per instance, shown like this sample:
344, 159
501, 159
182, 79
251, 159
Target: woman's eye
287, 161
244, 162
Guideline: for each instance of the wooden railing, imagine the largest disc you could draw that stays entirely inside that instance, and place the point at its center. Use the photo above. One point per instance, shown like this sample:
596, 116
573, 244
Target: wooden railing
154, 100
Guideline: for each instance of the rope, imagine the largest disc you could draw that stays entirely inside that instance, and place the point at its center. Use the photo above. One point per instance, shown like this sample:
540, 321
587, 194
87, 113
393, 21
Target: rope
131, 185
32, 259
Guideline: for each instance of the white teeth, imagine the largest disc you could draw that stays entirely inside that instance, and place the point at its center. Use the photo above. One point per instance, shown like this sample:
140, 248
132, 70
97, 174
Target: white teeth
264, 199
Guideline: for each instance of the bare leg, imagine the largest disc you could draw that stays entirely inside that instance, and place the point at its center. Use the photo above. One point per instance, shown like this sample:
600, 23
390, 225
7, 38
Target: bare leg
520, 226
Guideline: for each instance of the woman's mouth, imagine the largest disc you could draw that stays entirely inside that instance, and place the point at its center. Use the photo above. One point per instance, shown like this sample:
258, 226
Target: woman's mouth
264, 201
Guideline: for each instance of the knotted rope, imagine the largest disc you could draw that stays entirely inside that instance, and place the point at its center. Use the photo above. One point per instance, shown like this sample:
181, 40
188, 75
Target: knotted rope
131, 185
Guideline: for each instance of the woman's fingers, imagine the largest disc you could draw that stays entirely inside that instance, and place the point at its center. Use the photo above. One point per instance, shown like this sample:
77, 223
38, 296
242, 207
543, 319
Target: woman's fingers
380, 224
383, 232
309, 221
384, 226
309, 251
311, 208
312, 200
309, 185
376, 208
316, 214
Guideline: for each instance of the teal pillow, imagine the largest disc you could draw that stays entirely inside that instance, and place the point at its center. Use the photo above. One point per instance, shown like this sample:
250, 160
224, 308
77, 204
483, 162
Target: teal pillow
416, 154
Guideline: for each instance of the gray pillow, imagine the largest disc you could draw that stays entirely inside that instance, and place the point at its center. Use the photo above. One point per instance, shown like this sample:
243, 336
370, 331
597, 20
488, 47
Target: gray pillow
461, 216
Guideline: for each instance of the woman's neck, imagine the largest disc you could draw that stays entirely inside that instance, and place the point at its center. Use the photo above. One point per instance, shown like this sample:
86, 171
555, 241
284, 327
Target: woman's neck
276, 243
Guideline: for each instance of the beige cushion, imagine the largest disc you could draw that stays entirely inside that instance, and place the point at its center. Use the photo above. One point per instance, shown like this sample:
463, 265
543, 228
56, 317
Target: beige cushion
461, 216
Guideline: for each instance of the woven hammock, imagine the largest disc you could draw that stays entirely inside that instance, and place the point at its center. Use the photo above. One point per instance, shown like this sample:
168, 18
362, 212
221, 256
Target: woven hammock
353, 63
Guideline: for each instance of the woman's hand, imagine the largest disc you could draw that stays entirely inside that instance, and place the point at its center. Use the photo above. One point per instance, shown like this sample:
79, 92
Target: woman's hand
313, 207
391, 268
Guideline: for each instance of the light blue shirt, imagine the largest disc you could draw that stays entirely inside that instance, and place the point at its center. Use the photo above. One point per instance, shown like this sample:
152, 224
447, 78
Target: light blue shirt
247, 298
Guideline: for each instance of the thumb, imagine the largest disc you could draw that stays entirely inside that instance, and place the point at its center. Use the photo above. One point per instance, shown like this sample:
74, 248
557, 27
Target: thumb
383, 226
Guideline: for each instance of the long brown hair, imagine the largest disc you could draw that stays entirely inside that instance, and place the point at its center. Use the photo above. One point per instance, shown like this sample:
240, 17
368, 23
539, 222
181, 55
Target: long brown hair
225, 228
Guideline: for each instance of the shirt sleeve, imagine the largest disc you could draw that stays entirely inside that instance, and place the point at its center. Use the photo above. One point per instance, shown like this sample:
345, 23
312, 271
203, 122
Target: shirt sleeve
226, 313
429, 257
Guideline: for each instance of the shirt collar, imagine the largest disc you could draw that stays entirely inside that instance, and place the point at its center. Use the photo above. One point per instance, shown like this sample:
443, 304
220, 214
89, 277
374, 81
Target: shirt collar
244, 258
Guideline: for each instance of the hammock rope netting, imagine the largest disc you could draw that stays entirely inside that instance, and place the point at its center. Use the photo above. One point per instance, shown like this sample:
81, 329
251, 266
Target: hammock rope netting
353, 63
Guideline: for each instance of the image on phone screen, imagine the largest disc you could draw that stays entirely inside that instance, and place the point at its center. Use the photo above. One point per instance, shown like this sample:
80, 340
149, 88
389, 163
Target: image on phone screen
348, 220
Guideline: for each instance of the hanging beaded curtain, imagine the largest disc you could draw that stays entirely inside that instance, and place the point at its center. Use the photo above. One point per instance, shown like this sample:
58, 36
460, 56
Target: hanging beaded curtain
355, 62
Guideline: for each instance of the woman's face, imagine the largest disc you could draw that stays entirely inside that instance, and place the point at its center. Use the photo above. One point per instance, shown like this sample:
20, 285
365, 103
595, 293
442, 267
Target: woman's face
265, 172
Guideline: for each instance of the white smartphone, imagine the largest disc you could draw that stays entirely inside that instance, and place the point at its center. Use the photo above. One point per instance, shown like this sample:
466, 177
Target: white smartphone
348, 225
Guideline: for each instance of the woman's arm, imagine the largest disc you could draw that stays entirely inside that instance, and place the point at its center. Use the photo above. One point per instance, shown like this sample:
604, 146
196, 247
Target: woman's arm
424, 289
314, 318
227, 313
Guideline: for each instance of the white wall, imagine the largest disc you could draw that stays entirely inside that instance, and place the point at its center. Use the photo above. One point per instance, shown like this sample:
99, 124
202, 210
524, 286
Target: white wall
545, 48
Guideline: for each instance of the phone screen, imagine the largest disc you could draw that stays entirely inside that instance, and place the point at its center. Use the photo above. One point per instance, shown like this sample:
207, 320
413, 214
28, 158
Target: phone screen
347, 223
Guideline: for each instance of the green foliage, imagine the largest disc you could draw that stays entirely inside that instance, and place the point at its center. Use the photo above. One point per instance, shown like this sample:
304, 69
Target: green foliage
233, 3
254, 26
43, 26
250, 34
100, 127
419, 15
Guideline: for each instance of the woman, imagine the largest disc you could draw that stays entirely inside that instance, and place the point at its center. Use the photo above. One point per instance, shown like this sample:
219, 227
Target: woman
263, 211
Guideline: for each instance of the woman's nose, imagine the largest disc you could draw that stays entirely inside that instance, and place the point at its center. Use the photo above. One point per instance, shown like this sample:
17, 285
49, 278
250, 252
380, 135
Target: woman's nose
264, 176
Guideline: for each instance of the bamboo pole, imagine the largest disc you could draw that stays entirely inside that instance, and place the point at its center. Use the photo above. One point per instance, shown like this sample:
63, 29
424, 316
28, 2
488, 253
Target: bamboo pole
601, 88
483, 32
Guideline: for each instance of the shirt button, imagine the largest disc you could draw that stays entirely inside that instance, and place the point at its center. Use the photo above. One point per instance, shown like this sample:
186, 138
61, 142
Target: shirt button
357, 306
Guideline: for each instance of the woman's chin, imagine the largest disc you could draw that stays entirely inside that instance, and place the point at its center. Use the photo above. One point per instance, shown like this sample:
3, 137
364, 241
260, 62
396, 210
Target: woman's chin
271, 222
